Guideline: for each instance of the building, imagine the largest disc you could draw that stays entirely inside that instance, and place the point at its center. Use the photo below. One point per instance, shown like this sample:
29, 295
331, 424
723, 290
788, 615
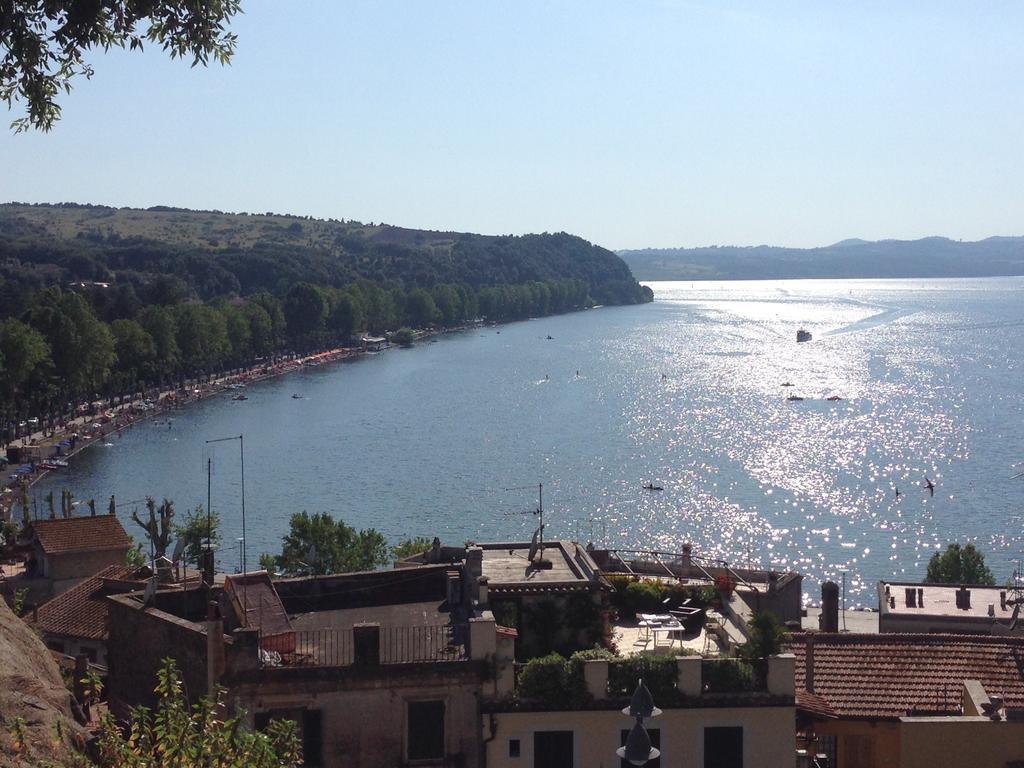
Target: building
910, 700
378, 669
956, 608
75, 622
66, 551
410, 667
698, 728
533, 596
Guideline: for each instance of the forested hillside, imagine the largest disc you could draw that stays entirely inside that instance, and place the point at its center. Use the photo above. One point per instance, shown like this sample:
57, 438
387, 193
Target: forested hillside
167, 253
103, 301
928, 257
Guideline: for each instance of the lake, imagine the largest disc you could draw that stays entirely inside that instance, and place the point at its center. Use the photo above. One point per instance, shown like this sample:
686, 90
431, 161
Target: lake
451, 438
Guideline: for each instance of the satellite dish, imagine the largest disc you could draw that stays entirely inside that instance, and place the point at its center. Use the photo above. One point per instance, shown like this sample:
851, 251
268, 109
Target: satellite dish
1015, 617
534, 545
179, 548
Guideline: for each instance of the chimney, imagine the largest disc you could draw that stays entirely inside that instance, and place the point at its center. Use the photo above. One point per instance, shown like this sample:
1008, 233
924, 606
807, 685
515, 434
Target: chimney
809, 664
829, 619
214, 647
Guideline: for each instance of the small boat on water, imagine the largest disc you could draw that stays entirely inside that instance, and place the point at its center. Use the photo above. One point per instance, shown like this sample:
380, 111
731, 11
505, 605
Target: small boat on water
652, 487
803, 335
794, 398
787, 384
240, 397
833, 398
296, 397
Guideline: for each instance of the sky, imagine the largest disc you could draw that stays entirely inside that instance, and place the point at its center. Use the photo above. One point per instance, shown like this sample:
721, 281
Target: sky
633, 124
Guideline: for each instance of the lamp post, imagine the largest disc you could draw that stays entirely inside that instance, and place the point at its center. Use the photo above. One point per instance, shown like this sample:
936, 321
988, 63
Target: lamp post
638, 749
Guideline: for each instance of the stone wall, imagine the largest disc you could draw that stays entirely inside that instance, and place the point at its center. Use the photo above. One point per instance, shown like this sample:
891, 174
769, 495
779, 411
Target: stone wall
139, 640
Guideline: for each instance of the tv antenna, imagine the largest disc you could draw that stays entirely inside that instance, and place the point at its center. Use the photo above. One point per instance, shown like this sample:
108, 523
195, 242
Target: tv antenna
536, 553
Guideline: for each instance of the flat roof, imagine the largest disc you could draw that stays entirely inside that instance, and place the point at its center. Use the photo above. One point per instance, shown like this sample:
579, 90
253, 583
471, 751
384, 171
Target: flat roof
507, 563
940, 600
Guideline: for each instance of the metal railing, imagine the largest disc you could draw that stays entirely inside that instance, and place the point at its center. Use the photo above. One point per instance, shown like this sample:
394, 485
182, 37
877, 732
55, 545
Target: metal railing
336, 647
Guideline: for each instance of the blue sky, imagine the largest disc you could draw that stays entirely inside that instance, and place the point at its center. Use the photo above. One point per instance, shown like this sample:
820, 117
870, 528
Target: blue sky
632, 124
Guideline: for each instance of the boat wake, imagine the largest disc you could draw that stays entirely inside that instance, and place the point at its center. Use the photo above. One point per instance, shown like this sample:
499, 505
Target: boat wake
867, 323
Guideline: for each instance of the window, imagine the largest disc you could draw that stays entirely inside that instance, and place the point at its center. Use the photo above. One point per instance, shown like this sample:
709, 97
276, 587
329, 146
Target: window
655, 735
312, 738
425, 730
513, 747
723, 747
552, 749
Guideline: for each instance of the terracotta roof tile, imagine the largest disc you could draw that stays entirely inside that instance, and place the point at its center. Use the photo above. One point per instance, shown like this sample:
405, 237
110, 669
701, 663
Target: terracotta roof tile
82, 610
80, 534
887, 676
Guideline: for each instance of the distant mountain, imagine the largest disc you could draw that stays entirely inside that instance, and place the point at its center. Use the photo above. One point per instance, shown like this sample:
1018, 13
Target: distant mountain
927, 257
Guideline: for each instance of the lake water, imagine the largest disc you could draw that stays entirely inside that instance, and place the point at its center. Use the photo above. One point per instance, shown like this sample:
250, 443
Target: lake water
685, 392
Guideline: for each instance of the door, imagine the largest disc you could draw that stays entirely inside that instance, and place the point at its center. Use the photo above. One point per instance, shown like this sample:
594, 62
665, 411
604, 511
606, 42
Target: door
552, 749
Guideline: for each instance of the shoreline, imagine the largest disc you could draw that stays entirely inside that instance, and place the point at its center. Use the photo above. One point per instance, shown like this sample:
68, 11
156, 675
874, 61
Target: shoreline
125, 415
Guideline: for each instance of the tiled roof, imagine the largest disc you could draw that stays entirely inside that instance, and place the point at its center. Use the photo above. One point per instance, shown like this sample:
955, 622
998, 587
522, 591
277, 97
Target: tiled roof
80, 534
887, 676
82, 610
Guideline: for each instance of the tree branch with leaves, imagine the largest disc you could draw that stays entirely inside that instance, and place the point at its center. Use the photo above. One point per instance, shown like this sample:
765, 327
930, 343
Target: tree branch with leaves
44, 43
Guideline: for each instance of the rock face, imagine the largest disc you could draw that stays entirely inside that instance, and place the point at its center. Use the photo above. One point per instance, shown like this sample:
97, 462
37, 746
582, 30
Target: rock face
31, 688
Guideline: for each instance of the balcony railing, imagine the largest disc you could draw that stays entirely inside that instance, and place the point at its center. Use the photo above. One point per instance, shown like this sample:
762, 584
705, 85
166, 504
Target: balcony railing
334, 647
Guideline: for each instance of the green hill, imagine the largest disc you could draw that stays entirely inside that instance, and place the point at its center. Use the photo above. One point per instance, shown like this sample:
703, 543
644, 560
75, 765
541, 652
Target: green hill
206, 254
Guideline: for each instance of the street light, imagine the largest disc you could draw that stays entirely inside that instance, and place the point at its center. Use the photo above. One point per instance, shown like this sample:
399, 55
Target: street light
638, 749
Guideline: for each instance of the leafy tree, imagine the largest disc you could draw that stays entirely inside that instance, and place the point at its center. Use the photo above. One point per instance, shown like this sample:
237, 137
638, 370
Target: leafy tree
345, 317
304, 312
82, 346
176, 735
159, 525
24, 354
162, 328
319, 544
409, 547
420, 309
766, 636
196, 530
959, 565
135, 347
44, 42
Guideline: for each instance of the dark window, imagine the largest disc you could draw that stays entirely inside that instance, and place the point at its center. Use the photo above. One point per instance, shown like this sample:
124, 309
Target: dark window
552, 749
655, 735
723, 747
90, 654
513, 747
312, 738
426, 730
55, 645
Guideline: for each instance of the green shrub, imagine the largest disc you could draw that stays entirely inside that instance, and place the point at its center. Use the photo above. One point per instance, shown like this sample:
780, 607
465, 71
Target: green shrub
546, 680
728, 676
641, 597
658, 671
